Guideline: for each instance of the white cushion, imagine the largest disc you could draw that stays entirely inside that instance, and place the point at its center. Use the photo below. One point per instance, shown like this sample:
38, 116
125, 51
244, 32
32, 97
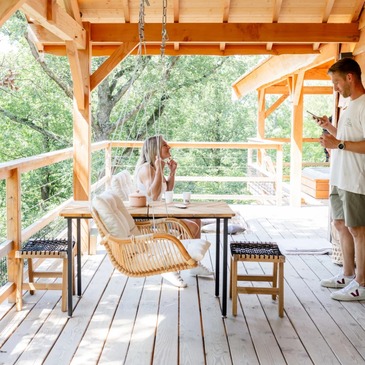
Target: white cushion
122, 184
232, 228
114, 215
196, 247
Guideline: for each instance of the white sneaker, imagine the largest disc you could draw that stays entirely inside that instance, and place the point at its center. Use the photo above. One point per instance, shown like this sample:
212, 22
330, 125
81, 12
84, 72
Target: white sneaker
353, 291
201, 270
338, 281
175, 279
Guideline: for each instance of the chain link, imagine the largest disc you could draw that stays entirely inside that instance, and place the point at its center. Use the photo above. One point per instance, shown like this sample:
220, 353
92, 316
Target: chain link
164, 31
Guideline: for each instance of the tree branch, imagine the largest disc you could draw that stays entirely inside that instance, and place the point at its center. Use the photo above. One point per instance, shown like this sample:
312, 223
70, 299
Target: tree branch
67, 89
32, 125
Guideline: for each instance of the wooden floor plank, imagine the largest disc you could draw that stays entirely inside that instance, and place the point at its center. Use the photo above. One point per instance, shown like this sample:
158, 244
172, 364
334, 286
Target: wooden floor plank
120, 332
144, 321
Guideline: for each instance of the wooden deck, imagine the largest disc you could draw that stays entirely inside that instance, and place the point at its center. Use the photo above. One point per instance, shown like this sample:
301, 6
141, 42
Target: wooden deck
146, 321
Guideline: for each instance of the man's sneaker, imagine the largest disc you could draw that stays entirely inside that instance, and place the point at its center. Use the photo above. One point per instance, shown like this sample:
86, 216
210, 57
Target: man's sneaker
201, 270
175, 279
353, 291
338, 281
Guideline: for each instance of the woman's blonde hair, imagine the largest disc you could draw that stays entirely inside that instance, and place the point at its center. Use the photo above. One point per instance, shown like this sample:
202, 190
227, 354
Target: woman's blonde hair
151, 148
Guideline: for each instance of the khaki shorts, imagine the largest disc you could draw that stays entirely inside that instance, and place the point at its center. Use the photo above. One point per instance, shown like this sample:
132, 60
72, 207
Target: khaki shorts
348, 206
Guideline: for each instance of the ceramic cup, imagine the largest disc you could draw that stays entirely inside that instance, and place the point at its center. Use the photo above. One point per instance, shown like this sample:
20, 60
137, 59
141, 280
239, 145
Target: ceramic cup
169, 196
186, 197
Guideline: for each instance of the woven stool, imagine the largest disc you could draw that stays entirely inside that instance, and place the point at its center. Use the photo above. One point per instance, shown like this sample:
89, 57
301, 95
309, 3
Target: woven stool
43, 249
257, 252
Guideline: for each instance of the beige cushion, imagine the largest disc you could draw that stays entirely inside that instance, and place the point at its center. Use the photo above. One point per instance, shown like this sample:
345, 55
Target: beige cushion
122, 184
114, 215
197, 248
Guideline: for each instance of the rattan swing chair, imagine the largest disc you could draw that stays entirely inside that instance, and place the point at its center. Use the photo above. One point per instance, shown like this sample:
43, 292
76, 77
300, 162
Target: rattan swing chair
145, 248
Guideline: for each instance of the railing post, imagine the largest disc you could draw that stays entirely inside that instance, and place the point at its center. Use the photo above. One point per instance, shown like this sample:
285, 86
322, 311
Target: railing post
279, 176
13, 212
108, 165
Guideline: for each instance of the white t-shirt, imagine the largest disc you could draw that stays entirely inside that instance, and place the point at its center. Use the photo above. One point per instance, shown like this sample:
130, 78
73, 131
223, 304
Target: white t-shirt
348, 168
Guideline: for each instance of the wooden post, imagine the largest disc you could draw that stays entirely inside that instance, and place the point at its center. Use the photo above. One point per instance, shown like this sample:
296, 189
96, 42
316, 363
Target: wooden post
296, 142
13, 211
82, 130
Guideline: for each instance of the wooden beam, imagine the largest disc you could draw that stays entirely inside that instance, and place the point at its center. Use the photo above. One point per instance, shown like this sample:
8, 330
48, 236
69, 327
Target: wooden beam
179, 49
298, 91
72, 9
307, 90
231, 32
273, 68
108, 66
275, 105
76, 72
52, 17
8, 8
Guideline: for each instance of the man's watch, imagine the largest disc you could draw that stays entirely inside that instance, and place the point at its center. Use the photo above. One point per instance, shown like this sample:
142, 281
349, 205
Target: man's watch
341, 145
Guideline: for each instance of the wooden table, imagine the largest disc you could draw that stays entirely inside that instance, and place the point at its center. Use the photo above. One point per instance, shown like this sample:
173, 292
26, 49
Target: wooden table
74, 210
216, 210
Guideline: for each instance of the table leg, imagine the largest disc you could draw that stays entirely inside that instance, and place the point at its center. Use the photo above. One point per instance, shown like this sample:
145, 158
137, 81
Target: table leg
225, 268
217, 256
69, 266
79, 257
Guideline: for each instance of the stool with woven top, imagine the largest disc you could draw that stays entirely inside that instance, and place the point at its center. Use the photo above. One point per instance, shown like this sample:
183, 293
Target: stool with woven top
257, 252
42, 249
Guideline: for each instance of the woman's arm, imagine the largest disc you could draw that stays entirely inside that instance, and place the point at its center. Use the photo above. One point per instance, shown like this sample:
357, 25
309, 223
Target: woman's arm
152, 179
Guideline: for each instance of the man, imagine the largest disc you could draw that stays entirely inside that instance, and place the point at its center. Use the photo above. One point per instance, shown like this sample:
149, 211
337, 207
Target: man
347, 179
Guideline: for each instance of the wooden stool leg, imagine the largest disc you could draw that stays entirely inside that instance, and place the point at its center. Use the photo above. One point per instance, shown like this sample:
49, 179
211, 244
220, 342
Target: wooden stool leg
19, 286
281, 289
275, 278
30, 274
230, 280
64, 285
234, 286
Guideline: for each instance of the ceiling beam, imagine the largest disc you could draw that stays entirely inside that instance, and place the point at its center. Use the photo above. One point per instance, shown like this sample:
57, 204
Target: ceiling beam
177, 49
55, 19
231, 32
8, 8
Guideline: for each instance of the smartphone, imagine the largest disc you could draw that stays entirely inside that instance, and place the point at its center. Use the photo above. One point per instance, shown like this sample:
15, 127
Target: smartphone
314, 116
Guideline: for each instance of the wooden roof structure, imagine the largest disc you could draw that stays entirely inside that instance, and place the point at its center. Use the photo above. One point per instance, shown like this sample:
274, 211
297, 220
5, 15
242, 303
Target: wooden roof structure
82, 29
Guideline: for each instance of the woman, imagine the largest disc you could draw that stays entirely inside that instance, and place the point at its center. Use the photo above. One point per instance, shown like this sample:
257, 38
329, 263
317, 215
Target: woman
150, 181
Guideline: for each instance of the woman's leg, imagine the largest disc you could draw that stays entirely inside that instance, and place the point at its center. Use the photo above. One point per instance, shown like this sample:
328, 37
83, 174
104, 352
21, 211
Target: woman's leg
194, 226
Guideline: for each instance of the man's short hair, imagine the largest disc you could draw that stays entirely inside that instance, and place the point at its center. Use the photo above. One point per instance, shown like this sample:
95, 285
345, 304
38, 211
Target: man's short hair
346, 66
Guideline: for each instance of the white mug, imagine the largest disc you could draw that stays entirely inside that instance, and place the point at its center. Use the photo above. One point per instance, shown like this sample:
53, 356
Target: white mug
186, 197
169, 196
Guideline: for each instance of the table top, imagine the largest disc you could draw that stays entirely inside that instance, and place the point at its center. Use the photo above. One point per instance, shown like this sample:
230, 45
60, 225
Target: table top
193, 210
77, 209
82, 209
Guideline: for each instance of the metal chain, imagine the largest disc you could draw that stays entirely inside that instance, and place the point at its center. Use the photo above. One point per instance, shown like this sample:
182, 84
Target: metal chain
164, 31
141, 23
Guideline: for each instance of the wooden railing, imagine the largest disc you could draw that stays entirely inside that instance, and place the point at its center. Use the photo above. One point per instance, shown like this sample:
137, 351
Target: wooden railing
12, 172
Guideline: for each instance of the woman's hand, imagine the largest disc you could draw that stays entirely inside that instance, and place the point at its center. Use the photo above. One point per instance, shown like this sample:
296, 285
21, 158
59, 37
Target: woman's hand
159, 163
172, 165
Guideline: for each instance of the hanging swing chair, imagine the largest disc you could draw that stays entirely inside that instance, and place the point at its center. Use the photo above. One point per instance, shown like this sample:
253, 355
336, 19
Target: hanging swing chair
145, 248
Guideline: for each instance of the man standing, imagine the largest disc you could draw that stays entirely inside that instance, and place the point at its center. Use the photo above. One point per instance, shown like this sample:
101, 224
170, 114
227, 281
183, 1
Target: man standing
347, 179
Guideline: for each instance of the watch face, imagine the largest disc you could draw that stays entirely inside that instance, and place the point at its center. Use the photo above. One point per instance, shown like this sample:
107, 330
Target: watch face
341, 146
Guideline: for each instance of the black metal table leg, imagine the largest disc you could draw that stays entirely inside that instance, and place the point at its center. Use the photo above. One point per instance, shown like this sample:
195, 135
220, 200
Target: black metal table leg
225, 268
79, 257
217, 256
69, 266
